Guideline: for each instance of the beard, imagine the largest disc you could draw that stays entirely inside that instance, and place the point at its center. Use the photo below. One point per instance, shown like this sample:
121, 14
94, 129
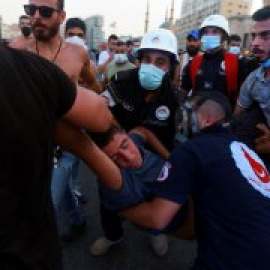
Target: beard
192, 51
45, 33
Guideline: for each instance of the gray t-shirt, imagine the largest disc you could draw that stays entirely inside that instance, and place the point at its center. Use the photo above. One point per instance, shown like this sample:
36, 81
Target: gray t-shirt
136, 181
256, 88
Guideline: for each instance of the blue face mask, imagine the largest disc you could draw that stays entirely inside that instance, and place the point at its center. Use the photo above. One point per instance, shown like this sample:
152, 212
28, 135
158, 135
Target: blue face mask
150, 76
135, 50
266, 63
235, 50
210, 42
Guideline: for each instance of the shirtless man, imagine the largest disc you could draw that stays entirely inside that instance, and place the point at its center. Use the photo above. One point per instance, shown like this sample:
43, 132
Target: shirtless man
46, 16
24, 25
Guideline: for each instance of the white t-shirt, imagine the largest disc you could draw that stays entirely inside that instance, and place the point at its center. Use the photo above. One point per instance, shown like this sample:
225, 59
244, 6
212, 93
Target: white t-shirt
103, 57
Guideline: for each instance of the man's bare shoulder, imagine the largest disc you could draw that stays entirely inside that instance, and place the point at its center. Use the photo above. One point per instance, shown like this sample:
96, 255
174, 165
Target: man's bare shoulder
75, 50
21, 43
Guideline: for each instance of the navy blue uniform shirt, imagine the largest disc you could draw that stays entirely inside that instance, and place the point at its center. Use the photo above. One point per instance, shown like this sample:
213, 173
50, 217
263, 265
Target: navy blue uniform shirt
231, 191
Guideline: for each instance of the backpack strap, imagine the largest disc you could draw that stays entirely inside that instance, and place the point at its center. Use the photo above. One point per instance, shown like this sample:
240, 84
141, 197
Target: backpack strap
194, 68
231, 72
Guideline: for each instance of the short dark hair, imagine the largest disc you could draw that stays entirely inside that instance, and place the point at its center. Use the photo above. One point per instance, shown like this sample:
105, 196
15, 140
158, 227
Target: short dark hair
60, 4
261, 14
235, 37
24, 17
113, 36
129, 43
218, 104
75, 22
103, 139
120, 43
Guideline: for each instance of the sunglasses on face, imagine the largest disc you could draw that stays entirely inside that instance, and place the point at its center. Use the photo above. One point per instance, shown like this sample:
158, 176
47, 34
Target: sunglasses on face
44, 11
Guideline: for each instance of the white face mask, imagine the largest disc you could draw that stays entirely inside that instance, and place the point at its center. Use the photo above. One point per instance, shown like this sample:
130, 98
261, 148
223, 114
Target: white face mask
120, 58
235, 50
210, 42
76, 40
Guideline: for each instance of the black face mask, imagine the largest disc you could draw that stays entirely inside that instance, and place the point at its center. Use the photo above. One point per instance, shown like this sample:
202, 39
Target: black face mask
192, 51
26, 31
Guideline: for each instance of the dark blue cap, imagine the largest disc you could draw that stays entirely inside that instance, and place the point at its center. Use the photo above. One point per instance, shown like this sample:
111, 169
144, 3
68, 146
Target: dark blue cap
193, 33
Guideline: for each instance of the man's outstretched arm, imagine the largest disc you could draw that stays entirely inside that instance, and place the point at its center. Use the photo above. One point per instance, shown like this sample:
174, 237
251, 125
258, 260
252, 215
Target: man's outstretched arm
89, 111
155, 214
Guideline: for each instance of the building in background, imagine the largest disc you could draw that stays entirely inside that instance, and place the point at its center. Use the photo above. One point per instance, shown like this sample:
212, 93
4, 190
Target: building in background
241, 25
195, 11
10, 31
169, 19
95, 33
1, 27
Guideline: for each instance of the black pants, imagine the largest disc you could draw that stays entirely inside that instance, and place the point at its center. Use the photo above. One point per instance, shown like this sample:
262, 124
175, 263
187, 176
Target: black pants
112, 224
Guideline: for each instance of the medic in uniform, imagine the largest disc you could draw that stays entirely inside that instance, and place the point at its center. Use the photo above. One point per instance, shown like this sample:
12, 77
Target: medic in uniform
230, 186
216, 69
145, 96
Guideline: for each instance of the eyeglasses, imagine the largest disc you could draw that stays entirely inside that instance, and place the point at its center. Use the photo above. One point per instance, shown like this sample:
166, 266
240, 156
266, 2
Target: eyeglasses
44, 11
265, 35
81, 35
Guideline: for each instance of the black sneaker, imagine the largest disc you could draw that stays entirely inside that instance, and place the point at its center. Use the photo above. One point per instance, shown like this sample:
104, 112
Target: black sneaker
74, 232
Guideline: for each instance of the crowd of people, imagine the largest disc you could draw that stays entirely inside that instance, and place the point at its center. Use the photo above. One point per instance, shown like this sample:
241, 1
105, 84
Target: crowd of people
179, 141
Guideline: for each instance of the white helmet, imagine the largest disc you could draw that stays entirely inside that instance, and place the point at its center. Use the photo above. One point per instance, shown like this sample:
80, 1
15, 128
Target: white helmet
160, 39
216, 21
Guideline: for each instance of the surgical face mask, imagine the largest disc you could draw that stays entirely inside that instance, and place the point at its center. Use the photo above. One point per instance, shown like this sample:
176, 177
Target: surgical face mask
210, 42
266, 63
26, 31
235, 50
120, 58
76, 40
150, 76
135, 50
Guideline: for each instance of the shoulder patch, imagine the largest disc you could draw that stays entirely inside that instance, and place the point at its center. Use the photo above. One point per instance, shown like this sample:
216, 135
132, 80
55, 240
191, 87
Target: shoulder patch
162, 113
108, 98
165, 172
251, 167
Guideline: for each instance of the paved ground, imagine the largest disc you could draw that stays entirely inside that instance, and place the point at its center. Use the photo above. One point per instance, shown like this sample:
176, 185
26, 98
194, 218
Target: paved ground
133, 254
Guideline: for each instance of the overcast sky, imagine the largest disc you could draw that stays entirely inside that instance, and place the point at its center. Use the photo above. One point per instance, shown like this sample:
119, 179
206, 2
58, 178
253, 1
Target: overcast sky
129, 14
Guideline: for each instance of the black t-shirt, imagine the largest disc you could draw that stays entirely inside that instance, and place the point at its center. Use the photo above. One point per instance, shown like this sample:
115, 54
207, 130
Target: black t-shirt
34, 94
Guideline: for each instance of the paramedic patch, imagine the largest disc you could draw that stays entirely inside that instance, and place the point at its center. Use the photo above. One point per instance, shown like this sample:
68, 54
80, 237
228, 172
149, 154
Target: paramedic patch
251, 167
162, 113
165, 172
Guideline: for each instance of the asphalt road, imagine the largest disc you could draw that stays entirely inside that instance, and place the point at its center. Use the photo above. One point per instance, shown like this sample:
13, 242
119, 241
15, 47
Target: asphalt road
134, 253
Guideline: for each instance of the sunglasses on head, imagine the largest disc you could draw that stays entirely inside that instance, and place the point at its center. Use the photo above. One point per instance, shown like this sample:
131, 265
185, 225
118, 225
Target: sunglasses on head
44, 11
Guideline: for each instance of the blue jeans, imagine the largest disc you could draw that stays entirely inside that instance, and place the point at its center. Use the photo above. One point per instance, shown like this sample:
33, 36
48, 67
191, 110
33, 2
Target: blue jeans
63, 198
